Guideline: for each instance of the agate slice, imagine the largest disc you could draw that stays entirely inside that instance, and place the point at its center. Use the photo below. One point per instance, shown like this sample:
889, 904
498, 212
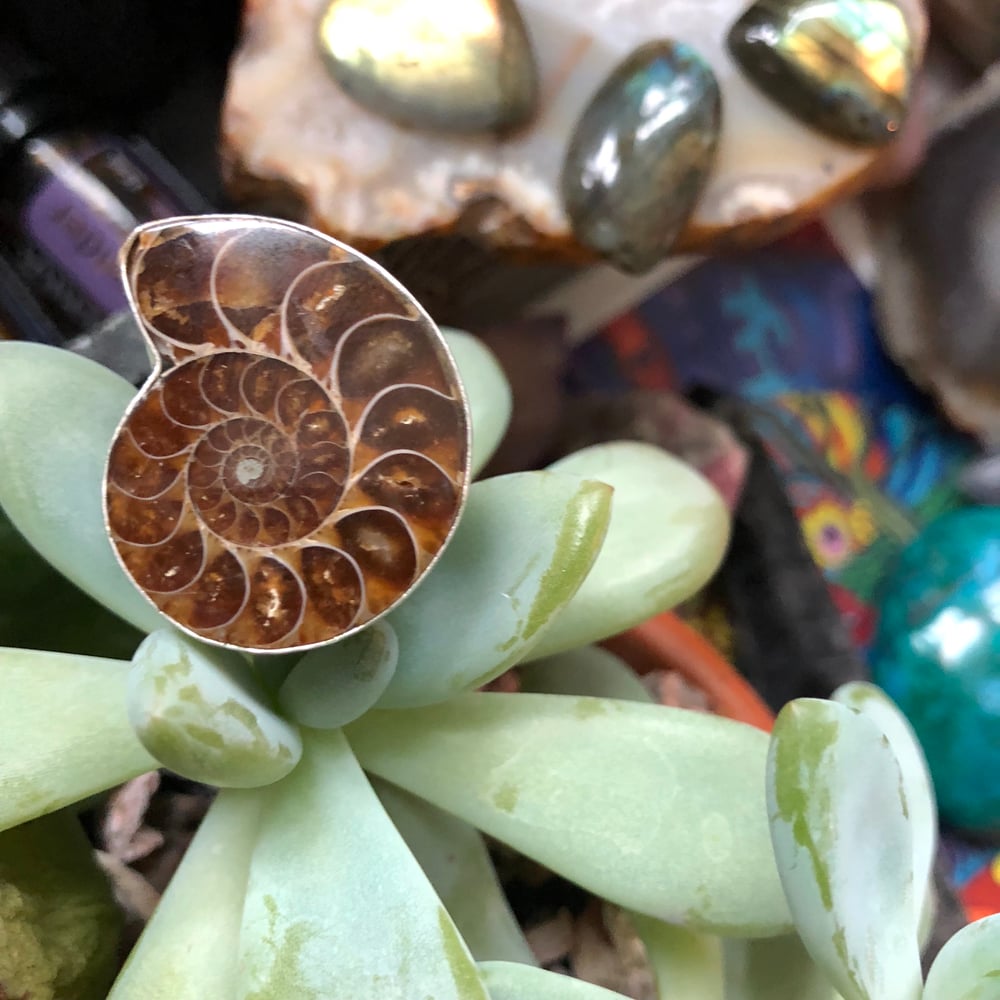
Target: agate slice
293, 137
299, 456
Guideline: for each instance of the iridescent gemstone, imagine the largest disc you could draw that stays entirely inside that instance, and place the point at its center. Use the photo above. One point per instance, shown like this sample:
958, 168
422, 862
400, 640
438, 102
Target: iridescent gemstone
641, 153
443, 65
842, 66
937, 654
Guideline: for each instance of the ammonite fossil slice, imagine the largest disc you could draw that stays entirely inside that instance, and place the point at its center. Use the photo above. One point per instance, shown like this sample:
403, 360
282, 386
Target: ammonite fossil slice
300, 454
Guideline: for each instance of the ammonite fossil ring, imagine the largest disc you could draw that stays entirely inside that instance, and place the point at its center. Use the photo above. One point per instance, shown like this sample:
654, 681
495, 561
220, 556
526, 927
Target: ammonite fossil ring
299, 456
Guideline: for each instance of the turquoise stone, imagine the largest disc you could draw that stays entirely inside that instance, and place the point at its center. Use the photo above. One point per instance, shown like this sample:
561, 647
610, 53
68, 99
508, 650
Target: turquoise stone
641, 153
844, 67
937, 655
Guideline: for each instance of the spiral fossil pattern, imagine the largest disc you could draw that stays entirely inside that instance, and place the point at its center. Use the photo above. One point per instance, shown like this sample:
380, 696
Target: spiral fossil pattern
301, 456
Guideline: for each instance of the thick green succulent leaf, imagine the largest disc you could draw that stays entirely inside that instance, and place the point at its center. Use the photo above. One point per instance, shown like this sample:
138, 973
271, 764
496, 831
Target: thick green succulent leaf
968, 966
486, 386
844, 848
773, 969
190, 948
687, 965
59, 925
455, 860
58, 413
659, 810
589, 670
201, 712
33, 595
510, 981
337, 906
525, 543
918, 788
64, 732
668, 533
333, 685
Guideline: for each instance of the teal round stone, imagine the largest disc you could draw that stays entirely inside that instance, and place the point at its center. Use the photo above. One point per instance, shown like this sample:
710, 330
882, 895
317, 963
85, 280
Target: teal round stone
937, 655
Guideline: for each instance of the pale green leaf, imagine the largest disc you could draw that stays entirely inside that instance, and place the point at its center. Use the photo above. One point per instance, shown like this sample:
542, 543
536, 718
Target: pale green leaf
918, 787
509, 981
687, 965
337, 906
659, 810
525, 543
773, 969
668, 533
488, 391
64, 732
589, 670
455, 860
844, 848
333, 685
58, 413
200, 711
190, 948
968, 966
59, 925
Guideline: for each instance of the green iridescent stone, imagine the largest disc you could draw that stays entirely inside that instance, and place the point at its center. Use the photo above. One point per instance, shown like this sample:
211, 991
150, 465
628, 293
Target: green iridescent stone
461, 67
845, 67
937, 655
641, 153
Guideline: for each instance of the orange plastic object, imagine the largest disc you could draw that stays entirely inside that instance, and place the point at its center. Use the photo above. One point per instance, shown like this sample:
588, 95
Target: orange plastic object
667, 642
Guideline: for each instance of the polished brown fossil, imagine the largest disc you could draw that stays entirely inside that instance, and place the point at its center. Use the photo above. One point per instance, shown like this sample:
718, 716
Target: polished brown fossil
300, 455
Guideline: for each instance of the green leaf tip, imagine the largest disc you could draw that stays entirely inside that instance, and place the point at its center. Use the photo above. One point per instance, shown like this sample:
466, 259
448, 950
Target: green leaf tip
798, 770
844, 847
201, 712
968, 965
916, 788
44, 764
332, 686
525, 544
668, 533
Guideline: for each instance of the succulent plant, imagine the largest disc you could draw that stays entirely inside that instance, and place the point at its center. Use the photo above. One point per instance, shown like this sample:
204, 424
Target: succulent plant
342, 858
299, 883
853, 824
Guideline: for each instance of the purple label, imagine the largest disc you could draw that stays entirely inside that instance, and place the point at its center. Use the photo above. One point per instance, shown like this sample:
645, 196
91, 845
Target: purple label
82, 233
95, 192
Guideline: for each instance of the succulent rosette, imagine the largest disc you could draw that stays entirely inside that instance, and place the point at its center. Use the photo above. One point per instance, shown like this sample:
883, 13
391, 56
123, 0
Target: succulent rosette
350, 774
343, 856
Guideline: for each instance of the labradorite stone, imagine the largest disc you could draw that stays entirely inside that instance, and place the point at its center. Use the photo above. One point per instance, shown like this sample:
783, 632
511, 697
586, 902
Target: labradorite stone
937, 654
457, 67
842, 66
641, 153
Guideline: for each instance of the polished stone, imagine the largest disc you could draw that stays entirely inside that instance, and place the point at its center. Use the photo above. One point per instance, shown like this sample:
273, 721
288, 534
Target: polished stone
441, 65
937, 654
641, 154
842, 66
